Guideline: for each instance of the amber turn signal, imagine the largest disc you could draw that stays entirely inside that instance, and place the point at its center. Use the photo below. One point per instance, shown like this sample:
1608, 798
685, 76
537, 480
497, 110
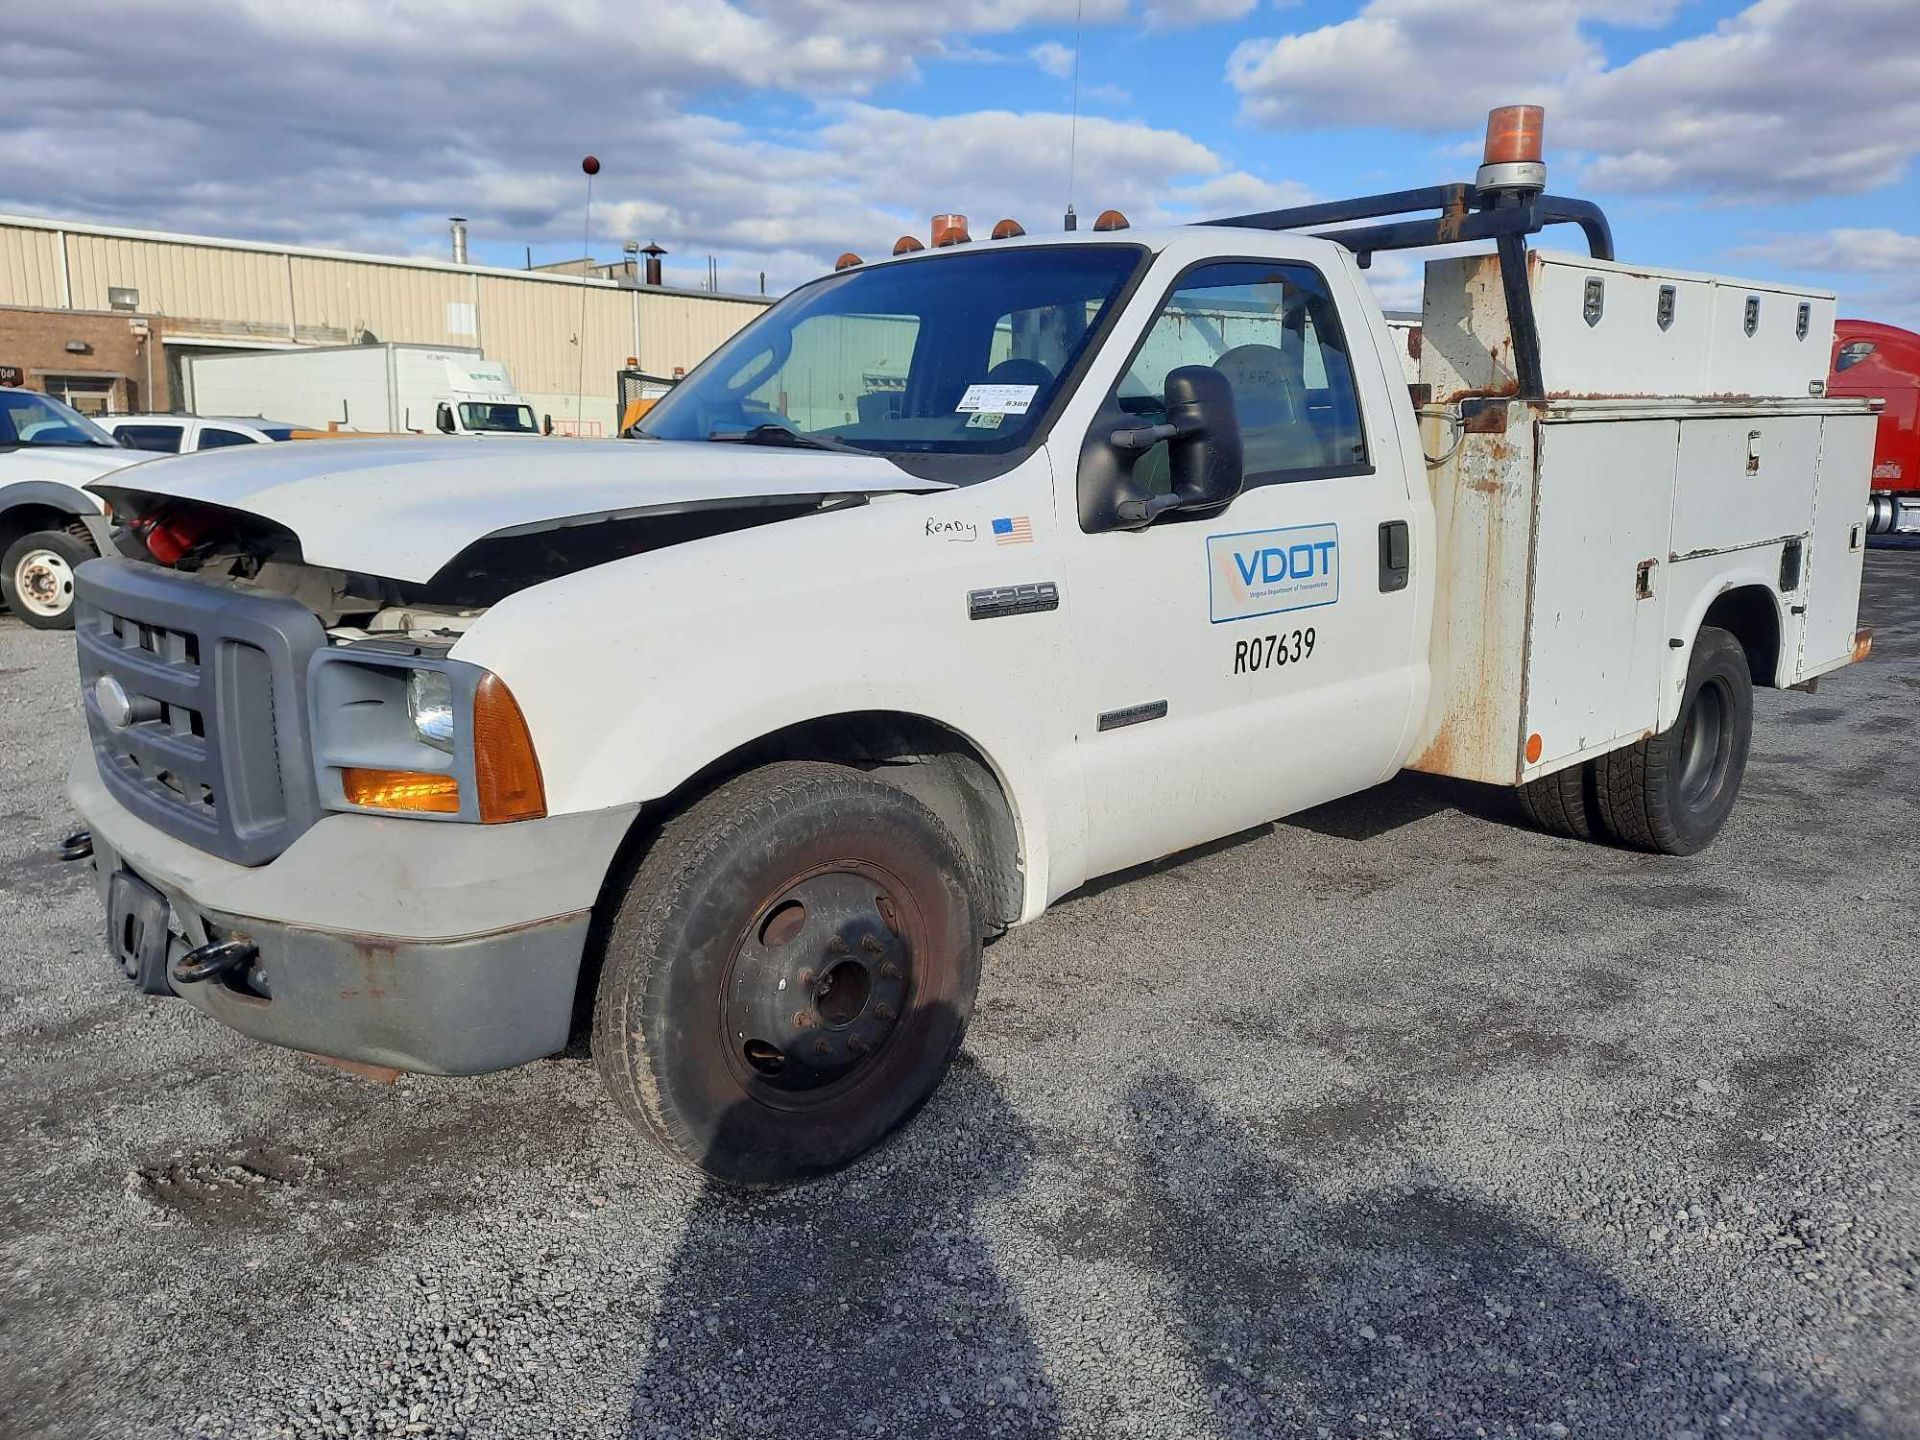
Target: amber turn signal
504, 765
403, 790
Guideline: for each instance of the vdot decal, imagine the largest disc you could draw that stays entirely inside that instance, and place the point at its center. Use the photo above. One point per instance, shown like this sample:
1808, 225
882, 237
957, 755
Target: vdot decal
1263, 572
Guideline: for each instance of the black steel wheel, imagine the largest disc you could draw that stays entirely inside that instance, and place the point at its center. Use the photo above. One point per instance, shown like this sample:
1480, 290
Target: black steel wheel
788, 975
1673, 791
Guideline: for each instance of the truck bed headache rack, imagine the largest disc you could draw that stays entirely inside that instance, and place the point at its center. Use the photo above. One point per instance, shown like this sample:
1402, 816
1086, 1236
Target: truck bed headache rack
1466, 214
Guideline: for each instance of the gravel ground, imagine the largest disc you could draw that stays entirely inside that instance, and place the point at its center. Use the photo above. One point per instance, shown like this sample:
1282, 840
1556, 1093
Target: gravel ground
1395, 1119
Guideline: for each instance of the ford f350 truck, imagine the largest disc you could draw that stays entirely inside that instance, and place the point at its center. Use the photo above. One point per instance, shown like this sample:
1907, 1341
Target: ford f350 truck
954, 581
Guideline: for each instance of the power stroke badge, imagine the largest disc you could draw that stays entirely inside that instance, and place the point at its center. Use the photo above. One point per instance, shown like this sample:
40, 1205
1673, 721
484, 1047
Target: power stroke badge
1265, 572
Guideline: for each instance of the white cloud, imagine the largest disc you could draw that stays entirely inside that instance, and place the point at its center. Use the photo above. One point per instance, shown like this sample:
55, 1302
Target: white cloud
1878, 269
384, 116
1053, 57
1787, 98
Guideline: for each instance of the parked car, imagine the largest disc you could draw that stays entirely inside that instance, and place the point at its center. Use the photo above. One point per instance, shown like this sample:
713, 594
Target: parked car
182, 434
49, 525
755, 727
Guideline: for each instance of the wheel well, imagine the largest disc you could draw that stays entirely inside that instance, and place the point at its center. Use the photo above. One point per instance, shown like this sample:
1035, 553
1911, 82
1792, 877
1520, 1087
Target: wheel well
1751, 617
18, 520
939, 767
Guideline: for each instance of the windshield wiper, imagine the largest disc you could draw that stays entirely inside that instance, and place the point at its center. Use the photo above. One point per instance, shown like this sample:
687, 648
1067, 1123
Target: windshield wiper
781, 435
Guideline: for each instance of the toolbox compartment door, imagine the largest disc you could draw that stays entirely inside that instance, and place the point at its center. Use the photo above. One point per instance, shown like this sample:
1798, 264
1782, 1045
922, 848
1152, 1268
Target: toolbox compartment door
1837, 549
1596, 630
1744, 480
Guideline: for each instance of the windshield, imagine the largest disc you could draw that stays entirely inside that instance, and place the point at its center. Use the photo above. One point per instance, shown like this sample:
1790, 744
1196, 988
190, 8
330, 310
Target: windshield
949, 355
30, 418
512, 419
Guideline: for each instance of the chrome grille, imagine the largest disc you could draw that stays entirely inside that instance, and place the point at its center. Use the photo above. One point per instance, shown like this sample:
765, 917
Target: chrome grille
195, 697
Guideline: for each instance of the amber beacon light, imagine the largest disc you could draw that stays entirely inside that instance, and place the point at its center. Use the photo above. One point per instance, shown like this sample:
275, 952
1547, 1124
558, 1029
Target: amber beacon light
1515, 157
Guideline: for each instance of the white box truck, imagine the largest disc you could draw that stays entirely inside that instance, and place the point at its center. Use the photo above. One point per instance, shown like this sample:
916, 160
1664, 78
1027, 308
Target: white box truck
752, 730
388, 388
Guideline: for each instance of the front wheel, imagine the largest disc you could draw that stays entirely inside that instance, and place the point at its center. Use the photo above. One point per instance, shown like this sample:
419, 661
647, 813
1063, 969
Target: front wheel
1672, 792
36, 577
788, 974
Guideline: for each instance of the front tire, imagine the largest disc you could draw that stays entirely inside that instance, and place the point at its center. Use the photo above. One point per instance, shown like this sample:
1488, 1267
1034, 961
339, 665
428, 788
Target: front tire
1672, 792
36, 577
788, 975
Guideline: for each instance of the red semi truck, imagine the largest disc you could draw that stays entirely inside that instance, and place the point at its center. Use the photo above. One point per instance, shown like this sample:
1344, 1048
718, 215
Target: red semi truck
1883, 362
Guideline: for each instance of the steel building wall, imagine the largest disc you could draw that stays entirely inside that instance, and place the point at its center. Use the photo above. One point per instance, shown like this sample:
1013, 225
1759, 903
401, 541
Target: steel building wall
682, 330
30, 268
335, 300
531, 326
244, 289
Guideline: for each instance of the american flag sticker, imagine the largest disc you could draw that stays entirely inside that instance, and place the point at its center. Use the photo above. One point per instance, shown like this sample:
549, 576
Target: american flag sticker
1013, 530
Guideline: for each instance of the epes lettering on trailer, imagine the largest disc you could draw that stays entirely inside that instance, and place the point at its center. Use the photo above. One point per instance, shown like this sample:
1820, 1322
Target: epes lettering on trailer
1265, 572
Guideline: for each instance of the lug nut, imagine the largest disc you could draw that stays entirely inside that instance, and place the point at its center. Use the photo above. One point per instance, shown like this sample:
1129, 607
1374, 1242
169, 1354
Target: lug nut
806, 979
836, 946
890, 970
823, 1046
883, 1010
870, 944
803, 1020
859, 1044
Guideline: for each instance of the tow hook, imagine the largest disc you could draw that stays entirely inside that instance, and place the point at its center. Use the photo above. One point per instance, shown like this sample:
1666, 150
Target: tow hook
213, 960
77, 846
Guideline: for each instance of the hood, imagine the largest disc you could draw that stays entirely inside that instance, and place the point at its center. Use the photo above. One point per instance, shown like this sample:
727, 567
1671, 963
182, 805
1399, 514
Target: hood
403, 508
74, 464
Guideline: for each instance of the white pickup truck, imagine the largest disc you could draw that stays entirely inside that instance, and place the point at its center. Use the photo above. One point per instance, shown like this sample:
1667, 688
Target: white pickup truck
952, 582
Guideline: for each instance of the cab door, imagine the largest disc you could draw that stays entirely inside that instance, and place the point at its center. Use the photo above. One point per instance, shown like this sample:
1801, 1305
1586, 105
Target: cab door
1243, 664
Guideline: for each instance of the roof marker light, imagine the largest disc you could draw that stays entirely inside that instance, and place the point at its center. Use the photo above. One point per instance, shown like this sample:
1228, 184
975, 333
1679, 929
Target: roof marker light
1110, 220
1008, 229
846, 261
907, 244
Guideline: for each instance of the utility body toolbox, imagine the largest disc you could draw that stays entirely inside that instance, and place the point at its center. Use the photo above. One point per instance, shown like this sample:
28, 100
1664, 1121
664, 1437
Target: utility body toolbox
1582, 537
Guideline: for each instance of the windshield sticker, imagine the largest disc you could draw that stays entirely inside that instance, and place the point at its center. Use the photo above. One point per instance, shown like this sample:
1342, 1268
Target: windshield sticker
997, 399
985, 420
1263, 572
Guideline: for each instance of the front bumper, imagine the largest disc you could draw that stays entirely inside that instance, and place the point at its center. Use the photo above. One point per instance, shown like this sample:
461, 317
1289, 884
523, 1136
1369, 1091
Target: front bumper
447, 949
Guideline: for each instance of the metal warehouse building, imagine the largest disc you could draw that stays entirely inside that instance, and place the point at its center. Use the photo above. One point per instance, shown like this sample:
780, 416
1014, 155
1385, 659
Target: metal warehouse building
103, 317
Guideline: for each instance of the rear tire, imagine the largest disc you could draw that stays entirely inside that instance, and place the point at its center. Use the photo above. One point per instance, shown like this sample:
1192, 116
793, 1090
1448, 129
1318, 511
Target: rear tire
1672, 792
788, 975
1564, 803
36, 577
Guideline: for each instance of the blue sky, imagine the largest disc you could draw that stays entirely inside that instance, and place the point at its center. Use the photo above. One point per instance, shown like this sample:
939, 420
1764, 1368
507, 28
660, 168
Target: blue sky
1775, 139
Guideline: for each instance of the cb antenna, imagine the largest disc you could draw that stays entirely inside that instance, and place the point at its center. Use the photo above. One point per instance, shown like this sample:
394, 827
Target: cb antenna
1073, 125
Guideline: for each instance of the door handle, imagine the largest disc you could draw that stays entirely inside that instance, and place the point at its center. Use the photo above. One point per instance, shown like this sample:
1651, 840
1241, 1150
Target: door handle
1396, 555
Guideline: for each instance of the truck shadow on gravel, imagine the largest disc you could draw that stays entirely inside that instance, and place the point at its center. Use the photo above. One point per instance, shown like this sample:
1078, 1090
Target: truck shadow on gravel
1410, 1309
863, 1304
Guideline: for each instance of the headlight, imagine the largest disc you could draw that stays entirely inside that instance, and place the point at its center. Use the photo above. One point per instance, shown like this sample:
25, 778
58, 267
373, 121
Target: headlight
430, 707
420, 734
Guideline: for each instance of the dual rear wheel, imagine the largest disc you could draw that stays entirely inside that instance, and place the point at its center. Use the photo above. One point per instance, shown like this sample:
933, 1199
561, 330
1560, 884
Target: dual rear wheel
1669, 793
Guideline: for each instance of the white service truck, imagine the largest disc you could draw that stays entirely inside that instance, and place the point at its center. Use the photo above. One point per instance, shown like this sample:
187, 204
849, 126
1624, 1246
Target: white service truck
387, 388
752, 730
49, 525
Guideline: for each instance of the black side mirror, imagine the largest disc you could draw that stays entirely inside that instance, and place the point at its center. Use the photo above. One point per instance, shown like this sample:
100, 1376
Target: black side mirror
443, 417
546, 425
1205, 457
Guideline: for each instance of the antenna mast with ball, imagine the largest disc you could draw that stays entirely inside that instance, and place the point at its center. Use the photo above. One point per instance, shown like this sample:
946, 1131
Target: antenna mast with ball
590, 167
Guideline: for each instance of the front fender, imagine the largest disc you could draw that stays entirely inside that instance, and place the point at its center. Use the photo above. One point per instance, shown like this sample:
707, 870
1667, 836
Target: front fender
637, 675
83, 505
